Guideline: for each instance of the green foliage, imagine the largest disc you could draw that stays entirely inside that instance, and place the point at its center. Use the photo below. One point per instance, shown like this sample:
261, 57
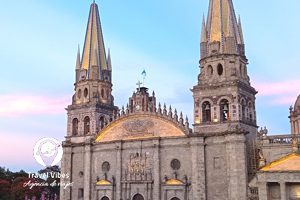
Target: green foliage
12, 184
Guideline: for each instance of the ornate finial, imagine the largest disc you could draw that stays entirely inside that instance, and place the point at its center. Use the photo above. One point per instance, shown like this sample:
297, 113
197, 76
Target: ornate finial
127, 109
186, 122
153, 93
181, 118
159, 108
165, 110
175, 115
123, 111
170, 114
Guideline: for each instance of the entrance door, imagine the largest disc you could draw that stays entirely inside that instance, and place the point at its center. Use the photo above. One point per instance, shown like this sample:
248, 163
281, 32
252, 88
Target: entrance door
138, 197
105, 198
175, 198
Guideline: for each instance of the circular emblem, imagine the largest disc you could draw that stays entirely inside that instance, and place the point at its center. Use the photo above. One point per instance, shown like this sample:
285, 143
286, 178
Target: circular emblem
175, 164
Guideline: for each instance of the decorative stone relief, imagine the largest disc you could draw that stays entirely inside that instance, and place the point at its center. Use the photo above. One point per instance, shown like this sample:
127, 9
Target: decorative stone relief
138, 127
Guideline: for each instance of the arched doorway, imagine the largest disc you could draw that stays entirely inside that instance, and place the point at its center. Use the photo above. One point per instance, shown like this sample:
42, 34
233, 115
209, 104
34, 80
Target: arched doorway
175, 198
138, 197
105, 198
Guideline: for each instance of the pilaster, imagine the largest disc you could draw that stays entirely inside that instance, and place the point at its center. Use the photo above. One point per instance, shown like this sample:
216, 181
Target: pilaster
156, 170
119, 171
198, 168
87, 169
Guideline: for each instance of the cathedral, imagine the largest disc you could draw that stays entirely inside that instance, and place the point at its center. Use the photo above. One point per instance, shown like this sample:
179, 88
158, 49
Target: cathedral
148, 151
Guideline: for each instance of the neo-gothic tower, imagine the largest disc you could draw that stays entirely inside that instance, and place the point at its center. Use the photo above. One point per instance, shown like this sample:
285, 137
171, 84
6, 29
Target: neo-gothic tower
92, 104
223, 97
224, 104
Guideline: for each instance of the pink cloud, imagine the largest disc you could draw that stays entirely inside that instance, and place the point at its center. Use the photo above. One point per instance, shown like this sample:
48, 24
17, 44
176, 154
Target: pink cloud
19, 150
283, 93
16, 105
278, 88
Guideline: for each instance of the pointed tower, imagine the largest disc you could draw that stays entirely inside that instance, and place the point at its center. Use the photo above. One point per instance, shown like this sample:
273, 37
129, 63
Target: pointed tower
224, 103
93, 103
223, 94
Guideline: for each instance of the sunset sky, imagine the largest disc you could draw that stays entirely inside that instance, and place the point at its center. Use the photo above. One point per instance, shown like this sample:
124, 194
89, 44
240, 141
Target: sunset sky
39, 42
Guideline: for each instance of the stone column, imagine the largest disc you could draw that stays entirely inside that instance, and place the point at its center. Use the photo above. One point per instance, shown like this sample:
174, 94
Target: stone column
119, 171
283, 190
66, 168
198, 168
236, 166
87, 169
156, 170
262, 191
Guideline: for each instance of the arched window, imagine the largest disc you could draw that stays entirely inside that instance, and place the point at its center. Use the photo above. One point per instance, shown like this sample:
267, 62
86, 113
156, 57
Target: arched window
102, 93
75, 126
175, 198
250, 111
220, 69
101, 120
86, 125
243, 109
85, 92
138, 197
206, 112
224, 110
104, 198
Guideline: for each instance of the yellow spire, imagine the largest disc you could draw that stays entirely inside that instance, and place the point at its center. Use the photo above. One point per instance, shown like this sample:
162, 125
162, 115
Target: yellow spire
222, 23
94, 42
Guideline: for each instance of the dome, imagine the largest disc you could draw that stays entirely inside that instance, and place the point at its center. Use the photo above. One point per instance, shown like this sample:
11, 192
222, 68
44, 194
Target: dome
297, 104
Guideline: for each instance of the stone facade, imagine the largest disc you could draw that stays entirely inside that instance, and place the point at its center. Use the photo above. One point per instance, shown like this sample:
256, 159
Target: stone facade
148, 151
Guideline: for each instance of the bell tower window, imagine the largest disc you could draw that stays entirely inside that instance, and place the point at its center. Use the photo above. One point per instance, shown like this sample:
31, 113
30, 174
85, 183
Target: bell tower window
250, 110
243, 109
86, 125
220, 69
75, 126
224, 110
206, 112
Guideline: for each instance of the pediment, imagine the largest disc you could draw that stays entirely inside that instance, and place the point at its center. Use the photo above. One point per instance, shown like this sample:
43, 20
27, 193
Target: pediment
140, 126
288, 163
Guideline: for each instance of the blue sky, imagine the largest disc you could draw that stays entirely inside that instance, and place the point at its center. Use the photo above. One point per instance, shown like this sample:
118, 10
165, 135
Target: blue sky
39, 42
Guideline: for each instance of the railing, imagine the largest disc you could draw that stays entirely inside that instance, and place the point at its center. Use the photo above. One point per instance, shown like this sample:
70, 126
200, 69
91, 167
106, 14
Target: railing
283, 139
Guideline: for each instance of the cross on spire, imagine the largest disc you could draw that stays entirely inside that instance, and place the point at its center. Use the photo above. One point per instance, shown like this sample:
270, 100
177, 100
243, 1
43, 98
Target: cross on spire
139, 83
